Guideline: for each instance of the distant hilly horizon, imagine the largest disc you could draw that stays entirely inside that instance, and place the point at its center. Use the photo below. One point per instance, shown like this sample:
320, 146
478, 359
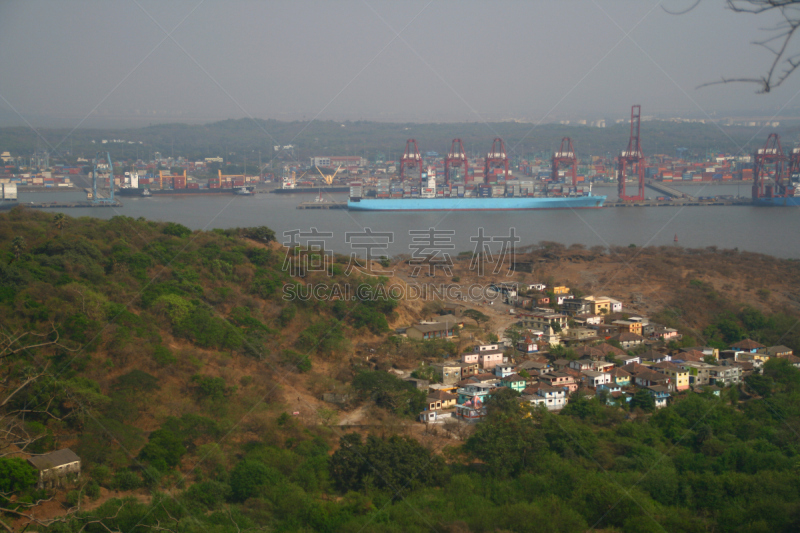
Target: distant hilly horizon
236, 139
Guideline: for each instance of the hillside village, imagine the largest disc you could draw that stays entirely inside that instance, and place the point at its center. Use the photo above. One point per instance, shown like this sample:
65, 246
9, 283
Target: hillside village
585, 346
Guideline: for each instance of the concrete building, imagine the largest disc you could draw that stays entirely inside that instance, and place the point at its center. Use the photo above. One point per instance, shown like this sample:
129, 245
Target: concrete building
542, 321
448, 372
55, 467
724, 376
679, 376
699, 372
436, 330
601, 305
595, 378
629, 326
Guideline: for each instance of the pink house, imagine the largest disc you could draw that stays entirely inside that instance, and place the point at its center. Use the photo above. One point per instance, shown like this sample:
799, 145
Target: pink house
559, 379
469, 358
487, 356
490, 360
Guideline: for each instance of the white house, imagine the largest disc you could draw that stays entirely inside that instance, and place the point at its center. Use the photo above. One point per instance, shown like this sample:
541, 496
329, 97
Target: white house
437, 416
597, 378
554, 398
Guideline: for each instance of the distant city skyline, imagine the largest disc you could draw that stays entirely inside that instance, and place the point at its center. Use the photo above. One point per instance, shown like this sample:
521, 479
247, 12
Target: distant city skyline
127, 64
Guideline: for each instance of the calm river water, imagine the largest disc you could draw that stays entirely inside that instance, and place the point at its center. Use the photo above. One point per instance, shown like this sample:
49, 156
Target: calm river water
774, 231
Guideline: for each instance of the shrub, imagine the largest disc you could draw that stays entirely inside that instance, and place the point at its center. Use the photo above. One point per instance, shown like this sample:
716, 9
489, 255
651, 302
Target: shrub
297, 361
211, 388
74, 498
250, 475
16, 474
177, 230
164, 449
401, 463
126, 480
260, 234
101, 474
136, 381
93, 490
390, 392
286, 315
163, 355
209, 494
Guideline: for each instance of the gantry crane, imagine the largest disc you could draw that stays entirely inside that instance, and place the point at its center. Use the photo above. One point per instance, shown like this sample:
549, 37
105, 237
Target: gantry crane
565, 156
770, 164
496, 158
456, 157
98, 157
631, 161
411, 158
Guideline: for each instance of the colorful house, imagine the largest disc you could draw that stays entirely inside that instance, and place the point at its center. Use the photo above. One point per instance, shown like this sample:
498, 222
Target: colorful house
481, 391
621, 377
514, 382
678, 375
747, 345
660, 395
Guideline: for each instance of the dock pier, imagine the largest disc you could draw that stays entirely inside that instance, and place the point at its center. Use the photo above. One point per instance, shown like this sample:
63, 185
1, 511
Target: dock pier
323, 205
667, 190
61, 205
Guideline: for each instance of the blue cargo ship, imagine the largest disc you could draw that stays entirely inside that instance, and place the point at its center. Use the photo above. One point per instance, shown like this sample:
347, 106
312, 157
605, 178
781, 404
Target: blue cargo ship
474, 204
778, 201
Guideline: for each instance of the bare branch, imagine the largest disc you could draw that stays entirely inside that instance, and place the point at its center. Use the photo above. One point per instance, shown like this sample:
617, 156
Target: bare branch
691, 8
783, 65
24, 384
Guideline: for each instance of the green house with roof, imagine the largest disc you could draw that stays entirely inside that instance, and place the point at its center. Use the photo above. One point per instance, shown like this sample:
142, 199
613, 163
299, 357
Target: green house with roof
514, 381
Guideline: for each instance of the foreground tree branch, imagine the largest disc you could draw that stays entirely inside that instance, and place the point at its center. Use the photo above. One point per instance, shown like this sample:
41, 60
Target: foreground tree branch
785, 62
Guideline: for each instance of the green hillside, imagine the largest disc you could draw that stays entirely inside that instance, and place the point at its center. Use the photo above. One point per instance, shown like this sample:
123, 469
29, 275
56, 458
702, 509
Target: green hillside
169, 361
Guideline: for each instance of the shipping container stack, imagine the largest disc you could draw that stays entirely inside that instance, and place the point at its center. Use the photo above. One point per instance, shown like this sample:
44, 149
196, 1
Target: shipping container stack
382, 188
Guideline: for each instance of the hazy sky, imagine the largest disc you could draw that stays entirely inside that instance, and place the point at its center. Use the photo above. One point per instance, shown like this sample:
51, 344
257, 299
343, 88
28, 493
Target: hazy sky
112, 61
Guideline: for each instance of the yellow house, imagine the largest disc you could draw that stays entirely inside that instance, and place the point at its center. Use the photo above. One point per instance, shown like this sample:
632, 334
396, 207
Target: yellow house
627, 325
679, 377
560, 290
602, 306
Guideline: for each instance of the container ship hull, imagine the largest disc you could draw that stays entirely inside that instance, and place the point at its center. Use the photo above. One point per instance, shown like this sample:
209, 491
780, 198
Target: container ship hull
474, 204
778, 201
128, 191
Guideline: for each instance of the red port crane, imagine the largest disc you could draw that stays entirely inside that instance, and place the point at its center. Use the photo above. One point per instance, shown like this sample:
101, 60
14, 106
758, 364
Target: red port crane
563, 157
411, 158
794, 168
770, 164
456, 157
496, 158
631, 161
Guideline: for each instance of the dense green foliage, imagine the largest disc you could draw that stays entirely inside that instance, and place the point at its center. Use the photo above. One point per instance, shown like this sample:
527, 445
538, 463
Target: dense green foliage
396, 464
390, 392
171, 346
16, 474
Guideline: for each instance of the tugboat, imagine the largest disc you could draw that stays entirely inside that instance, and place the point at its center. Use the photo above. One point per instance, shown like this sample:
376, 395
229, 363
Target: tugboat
243, 191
